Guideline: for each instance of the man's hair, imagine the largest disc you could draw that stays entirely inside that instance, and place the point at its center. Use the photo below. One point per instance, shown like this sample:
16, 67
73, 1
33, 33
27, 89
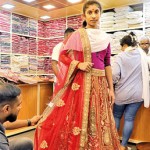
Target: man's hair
69, 30
144, 38
8, 92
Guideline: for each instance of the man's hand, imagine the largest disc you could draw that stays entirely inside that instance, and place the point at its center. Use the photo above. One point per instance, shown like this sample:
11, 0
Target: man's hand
34, 120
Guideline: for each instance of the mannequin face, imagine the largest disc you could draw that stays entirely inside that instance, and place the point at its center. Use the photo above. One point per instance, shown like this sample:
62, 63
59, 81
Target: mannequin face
92, 16
145, 44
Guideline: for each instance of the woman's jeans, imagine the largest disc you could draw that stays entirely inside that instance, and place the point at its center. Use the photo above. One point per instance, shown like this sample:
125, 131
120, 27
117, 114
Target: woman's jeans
129, 111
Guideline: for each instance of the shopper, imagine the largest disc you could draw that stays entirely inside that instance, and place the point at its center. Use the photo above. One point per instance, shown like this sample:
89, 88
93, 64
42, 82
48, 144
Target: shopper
130, 76
57, 48
22, 123
10, 105
144, 43
80, 114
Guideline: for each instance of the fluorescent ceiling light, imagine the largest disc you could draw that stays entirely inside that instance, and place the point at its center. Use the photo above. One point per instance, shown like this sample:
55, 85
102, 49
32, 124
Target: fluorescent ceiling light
48, 6
74, 1
45, 17
29, 1
8, 6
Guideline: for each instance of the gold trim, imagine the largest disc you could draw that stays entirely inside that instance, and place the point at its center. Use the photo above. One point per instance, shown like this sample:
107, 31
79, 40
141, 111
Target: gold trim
53, 102
98, 72
87, 86
72, 67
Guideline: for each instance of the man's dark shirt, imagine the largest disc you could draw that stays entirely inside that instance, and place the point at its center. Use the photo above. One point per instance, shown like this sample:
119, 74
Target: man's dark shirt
4, 145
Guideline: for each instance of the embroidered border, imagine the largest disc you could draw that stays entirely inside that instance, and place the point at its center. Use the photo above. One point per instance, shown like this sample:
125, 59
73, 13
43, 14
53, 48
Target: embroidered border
87, 86
70, 76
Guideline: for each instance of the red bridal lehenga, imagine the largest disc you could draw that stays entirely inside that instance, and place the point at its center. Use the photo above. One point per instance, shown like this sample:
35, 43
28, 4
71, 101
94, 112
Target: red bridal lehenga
79, 117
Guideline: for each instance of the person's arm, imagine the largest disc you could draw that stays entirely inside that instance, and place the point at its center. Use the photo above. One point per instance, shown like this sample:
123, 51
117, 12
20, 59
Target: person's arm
108, 72
55, 57
22, 123
55, 67
116, 70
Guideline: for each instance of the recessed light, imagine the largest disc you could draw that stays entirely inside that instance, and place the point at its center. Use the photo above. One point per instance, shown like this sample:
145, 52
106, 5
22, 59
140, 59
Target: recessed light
48, 6
45, 17
8, 6
74, 1
29, 1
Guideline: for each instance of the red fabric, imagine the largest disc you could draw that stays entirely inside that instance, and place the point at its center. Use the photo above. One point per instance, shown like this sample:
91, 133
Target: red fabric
57, 132
57, 128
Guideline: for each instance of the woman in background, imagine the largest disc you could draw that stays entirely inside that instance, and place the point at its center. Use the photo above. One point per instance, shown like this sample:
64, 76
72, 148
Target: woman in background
80, 115
130, 76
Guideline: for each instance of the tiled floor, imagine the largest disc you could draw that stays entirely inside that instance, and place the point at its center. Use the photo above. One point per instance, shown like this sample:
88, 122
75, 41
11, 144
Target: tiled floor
30, 134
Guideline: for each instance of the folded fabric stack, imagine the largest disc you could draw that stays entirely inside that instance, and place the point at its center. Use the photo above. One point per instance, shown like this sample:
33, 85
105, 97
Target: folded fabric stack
20, 24
120, 17
107, 21
47, 65
33, 64
20, 64
20, 44
5, 20
9, 75
74, 22
147, 14
5, 62
56, 27
32, 46
41, 29
32, 27
147, 32
5, 42
40, 68
135, 19
47, 29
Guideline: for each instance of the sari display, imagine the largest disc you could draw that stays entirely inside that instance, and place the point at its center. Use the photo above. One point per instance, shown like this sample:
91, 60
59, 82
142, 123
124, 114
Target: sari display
79, 117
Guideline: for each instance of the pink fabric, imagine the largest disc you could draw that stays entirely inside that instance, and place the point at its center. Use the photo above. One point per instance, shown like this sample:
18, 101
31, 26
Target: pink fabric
101, 59
74, 42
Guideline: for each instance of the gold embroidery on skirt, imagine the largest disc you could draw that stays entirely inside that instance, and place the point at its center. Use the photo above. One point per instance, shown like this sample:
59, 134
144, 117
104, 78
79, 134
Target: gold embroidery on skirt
76, 130
43, 145
60, 103
75, 86
107, 137
92, 124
